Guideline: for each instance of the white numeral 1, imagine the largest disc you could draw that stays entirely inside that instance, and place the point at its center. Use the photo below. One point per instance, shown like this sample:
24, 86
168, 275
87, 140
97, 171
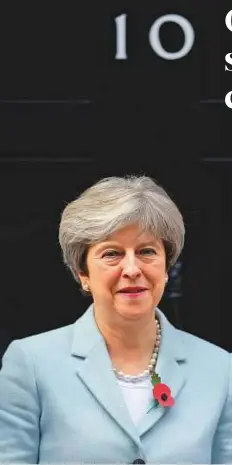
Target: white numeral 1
121, 37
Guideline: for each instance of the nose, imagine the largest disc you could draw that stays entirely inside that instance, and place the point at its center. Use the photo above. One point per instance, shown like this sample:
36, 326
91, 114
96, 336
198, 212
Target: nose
130, 267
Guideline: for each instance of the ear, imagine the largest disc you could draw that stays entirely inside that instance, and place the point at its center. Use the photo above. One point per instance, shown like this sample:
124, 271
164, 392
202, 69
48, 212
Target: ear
83, 278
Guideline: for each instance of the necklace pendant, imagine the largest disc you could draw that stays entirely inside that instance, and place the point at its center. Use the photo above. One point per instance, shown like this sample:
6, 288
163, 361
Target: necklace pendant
155, 378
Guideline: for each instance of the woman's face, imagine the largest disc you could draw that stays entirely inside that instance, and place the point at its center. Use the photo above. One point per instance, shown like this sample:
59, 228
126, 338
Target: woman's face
127, 273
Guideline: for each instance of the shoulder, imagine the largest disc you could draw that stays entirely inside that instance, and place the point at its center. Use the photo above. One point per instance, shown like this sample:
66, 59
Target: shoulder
53, 341
204, 352
186, 346
54, 346
196, 343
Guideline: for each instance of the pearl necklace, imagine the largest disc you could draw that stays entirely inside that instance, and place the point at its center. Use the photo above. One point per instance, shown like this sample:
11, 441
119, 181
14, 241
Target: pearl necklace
151, 366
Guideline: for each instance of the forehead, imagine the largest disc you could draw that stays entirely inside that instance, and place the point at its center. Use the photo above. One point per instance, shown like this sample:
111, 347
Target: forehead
129, 236
131, 233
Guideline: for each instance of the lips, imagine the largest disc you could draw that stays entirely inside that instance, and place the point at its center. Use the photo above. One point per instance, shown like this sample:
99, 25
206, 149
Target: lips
132, 290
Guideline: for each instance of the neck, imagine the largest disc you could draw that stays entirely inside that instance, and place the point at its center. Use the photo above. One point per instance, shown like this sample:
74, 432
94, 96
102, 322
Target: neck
129, 343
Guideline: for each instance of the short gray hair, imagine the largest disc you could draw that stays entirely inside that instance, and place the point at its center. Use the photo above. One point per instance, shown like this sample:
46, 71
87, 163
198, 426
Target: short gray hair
113, 203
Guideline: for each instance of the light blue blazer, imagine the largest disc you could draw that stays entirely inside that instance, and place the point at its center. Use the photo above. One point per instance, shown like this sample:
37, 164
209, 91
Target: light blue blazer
60, 401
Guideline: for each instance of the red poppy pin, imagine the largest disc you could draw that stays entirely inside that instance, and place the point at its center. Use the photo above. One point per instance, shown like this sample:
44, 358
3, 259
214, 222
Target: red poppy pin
161, 392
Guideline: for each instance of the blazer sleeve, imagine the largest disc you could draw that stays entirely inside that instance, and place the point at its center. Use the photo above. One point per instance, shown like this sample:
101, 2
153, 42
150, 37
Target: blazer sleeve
19, 408
222, 446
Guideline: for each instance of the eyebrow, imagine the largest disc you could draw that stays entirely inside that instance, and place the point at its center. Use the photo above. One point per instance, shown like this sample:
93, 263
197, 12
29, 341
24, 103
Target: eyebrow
116, 244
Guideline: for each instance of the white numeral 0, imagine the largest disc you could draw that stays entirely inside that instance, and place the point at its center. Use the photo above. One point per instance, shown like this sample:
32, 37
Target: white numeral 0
228, 20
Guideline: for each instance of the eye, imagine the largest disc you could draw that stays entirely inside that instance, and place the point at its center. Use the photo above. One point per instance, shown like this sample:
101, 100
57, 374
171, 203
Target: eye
148, 251
110, 254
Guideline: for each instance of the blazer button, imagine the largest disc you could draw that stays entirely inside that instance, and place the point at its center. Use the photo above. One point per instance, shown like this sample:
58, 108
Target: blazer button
138, 461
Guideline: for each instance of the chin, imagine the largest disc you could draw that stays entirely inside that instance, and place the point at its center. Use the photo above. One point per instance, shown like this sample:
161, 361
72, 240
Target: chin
134, 312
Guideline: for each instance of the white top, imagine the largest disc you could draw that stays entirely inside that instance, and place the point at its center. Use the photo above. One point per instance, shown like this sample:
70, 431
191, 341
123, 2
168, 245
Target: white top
137, 396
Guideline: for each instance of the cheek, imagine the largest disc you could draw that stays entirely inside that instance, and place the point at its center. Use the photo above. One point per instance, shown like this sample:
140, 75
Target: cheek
112, 276
157, 275
157, 269
105, 277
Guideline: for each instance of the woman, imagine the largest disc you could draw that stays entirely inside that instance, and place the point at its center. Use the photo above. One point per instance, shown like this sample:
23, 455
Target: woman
121, 384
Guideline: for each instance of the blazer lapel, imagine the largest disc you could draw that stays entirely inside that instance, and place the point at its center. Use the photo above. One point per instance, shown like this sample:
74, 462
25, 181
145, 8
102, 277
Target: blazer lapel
95, 370
168, 367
